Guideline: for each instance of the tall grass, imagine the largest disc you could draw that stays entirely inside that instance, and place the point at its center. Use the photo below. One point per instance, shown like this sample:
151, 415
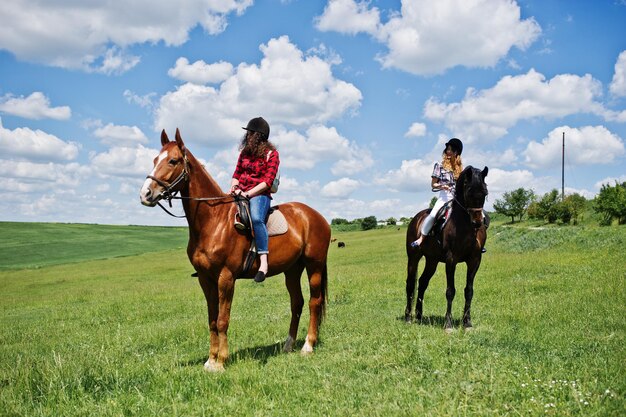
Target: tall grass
127, 336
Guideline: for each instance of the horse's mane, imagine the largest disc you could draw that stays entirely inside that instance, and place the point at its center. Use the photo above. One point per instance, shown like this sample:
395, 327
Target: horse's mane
198, 168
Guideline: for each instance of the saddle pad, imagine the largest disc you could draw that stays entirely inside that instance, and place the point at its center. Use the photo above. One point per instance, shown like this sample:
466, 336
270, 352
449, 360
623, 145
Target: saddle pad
276, 224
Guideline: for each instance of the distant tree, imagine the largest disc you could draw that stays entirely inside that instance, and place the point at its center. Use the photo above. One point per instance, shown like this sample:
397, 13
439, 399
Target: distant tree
611, 203
392, 221
576, 205
405, 220
514, 203
338, 221
369, 222
546, 208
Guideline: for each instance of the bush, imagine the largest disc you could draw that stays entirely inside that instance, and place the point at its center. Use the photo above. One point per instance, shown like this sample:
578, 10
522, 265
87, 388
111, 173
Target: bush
611, 203
369, 223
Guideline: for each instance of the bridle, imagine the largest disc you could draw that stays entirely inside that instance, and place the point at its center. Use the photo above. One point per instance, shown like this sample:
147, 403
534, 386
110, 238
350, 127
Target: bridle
170, 194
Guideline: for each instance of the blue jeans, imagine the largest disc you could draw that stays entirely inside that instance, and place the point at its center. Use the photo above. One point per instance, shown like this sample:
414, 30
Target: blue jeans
259, 207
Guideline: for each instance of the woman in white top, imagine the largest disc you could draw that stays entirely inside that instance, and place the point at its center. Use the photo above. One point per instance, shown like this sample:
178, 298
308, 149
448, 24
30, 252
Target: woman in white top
444, 178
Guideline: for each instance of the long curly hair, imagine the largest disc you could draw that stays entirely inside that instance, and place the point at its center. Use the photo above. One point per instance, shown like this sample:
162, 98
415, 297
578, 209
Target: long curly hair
452, 163
255, 144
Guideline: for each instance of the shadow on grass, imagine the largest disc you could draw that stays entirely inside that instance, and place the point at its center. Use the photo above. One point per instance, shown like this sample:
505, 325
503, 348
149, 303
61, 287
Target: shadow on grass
258, 353
433, 321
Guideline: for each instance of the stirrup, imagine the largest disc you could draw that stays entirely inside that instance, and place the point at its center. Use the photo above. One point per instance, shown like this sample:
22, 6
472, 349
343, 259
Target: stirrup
238, 224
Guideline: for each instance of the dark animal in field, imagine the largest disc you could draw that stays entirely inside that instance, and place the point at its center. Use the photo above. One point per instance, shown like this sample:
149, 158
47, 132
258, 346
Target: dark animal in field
461, 240
341, 244
217, 250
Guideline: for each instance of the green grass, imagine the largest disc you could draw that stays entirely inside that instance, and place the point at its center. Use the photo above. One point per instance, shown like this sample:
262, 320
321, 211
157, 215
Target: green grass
127, 335
34, 245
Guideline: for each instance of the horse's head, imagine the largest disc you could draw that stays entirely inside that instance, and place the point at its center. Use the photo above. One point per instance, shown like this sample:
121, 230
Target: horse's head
471, 192
170, 172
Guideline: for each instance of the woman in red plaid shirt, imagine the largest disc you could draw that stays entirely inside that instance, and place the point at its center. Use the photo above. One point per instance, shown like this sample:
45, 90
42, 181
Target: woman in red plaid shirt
255, 172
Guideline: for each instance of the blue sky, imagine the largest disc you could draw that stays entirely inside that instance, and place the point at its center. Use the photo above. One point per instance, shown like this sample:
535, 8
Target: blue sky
360, 97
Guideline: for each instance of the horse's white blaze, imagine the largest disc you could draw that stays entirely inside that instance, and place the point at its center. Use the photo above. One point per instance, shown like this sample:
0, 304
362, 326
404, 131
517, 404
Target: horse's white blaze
145, 189
307, 348
288, 344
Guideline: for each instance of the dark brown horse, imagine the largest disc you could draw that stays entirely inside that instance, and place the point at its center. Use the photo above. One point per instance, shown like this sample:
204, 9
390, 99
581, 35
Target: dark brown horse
461, 240
217, 250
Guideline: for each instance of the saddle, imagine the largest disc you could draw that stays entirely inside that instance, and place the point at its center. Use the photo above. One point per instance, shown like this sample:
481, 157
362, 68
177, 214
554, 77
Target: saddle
441, 218
276, 225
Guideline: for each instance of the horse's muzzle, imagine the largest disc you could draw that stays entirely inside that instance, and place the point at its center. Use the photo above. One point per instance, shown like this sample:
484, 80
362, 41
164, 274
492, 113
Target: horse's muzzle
147, 195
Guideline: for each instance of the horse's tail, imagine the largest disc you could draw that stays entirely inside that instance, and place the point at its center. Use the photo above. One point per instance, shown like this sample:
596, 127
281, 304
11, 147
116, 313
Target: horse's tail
324, 290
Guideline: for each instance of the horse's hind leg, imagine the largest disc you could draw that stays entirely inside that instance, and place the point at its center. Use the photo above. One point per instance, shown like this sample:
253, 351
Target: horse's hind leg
427, 274
317, 282
411, 277
292, 281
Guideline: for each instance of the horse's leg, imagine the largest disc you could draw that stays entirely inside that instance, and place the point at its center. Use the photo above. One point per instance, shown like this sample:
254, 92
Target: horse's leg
450, 292
226, 289
292, 281
316, 271
411, 276
209, 288
472, 269
427, 274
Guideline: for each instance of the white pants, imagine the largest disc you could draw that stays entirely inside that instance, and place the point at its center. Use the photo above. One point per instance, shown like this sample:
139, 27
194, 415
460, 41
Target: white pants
443, 198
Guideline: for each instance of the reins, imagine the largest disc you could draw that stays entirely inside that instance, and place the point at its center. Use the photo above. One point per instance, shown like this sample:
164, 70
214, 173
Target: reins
169, 195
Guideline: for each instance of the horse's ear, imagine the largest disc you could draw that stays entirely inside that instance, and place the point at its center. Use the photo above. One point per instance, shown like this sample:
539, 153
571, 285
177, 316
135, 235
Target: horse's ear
164, 138
179, 140
485, 171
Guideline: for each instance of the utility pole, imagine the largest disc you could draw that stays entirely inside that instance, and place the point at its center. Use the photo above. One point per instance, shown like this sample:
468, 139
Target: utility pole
563, 170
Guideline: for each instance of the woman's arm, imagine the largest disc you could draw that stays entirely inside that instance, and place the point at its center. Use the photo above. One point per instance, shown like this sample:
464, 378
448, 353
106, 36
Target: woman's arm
260, 188
436, 185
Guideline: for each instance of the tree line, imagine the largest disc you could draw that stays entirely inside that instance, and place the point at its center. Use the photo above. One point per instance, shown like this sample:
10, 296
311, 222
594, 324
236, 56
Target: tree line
610, 204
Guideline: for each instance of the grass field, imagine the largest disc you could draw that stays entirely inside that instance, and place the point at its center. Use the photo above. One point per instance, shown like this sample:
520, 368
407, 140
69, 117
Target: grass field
110, 325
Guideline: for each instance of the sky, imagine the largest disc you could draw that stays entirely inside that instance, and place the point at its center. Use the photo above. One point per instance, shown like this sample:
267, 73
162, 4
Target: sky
360, 96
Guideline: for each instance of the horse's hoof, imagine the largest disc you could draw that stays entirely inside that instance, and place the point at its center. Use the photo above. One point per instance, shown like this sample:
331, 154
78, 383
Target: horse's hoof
468, 328
307, 349
449, 330
407, 318
213, 366
288, 345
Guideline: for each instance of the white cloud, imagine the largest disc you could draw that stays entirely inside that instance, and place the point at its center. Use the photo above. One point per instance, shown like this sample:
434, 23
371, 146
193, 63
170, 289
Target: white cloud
146, 101
584, 146
348, 16
413, 175
321, 143
120, 135
610, 181
93, 35
618, 84
35, 145
285, 88
488, 114
501, 181
36, 106
27, 177
416, 130
342, 188
124, 161
200, 72
427, 37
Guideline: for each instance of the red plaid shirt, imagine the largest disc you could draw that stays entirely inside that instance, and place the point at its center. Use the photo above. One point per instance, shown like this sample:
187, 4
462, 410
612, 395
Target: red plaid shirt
251, 171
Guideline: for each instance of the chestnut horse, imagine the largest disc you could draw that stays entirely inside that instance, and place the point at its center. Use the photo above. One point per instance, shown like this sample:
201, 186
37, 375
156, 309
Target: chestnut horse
217, 250
461, 240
